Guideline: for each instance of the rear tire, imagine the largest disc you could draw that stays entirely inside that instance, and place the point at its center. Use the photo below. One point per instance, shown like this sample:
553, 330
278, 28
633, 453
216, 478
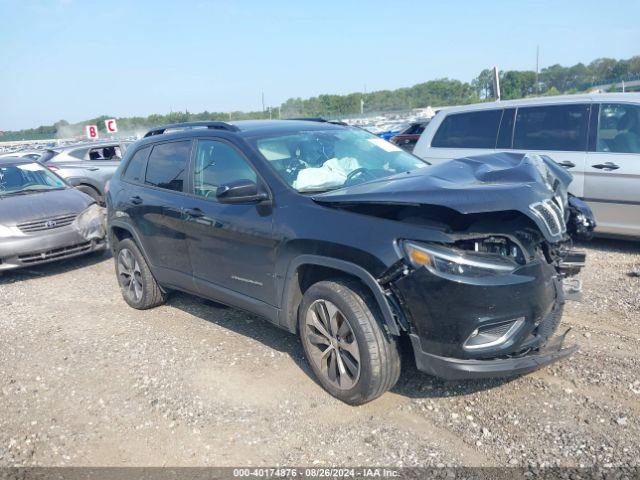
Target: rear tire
354, 359
139, 289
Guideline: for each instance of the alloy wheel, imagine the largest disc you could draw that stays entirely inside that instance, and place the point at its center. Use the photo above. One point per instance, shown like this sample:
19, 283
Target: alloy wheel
130, 275
332, 345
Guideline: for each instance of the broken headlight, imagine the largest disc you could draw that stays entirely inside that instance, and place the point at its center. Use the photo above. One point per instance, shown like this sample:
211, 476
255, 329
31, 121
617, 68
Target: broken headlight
497, 245
90, 222
453, 263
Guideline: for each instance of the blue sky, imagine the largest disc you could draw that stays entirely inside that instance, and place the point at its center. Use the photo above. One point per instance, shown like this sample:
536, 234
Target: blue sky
75, 59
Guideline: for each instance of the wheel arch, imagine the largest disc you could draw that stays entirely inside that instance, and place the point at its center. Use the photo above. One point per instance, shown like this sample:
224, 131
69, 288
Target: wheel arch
119, 230
305, 270
89, 182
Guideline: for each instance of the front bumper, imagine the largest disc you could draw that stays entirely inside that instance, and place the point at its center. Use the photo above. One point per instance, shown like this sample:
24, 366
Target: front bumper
465, 369
442, 314
56, 245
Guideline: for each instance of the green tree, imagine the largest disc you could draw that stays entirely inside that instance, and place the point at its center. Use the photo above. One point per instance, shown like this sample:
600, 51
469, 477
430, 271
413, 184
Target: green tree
553, 80
483, 84
517, 84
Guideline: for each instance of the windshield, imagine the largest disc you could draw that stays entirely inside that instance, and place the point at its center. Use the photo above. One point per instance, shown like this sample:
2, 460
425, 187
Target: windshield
322, 160
27, 177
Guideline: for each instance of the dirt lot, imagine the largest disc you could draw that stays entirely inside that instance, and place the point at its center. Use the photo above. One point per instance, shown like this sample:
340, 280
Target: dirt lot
86, 380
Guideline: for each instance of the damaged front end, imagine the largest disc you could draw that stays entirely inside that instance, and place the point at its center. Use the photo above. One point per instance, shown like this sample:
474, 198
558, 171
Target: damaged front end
54, 236
488, 302
91, 223
484, 306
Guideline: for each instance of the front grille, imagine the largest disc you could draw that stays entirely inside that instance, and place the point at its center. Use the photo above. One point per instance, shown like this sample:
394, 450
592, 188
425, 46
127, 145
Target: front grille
497, 330
47, 223
552, 216
55, 254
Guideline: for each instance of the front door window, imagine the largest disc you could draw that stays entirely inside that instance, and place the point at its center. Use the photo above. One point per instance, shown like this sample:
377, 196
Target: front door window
218, 163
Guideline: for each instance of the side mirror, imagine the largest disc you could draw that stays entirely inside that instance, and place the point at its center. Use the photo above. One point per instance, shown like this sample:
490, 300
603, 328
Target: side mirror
240, 191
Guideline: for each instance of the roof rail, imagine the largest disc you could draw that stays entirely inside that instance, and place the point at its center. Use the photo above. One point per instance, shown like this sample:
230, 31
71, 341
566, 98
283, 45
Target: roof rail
187, 125
321, 120
310, 119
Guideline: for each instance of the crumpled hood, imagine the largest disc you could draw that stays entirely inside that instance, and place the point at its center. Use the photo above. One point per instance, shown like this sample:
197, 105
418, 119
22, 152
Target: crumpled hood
483, 183
37, 206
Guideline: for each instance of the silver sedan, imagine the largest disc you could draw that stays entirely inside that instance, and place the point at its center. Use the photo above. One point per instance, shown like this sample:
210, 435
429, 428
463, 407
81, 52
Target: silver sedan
42, 218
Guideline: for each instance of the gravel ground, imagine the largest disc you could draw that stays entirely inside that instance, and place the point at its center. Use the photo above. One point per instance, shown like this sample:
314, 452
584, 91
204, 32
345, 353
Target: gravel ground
86, 380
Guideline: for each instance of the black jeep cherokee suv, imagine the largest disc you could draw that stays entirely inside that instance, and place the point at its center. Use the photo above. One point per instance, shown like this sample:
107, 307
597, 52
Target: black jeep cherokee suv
334, 234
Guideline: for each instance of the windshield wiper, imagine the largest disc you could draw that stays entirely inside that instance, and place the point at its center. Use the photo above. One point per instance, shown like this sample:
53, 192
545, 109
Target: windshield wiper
28, 190
42, 188
317, 190
16, 192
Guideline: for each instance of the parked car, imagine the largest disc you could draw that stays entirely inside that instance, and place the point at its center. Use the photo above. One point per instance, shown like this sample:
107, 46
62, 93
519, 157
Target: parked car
347, 240
596, 137
88, 167
394, 130
42, 218
408, 137
27, 154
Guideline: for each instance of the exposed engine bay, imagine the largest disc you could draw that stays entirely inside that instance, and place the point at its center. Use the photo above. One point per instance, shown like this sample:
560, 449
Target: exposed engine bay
511, 205
509, 234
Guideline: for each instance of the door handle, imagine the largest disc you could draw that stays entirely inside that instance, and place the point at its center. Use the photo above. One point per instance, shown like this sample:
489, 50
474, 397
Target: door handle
567, 164
136, 200
606, 166
92, 169
194, 212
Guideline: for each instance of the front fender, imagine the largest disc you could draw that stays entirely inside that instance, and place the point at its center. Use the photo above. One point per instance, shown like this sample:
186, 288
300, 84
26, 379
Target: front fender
288, 312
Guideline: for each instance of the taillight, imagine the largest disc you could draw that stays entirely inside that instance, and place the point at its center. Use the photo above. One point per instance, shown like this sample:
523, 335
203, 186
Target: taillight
53, 168
106, 187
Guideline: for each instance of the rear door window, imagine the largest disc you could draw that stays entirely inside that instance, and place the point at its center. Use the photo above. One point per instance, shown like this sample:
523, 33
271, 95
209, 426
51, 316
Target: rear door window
619, 128
167, 165
107, 152
468, 130
136, 166
552, 127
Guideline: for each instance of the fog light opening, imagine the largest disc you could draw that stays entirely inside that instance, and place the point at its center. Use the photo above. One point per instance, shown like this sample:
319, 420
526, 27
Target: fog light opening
493, 335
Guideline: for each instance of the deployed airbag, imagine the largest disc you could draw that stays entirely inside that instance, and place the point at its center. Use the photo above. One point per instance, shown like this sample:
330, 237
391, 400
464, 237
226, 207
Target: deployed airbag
332, 174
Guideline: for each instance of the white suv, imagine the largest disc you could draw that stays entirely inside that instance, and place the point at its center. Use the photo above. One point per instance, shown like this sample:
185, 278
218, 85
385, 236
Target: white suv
596, 137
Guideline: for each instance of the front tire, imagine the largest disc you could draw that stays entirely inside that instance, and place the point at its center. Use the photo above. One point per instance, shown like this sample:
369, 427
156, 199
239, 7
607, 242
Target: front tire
354, 359
139, 289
